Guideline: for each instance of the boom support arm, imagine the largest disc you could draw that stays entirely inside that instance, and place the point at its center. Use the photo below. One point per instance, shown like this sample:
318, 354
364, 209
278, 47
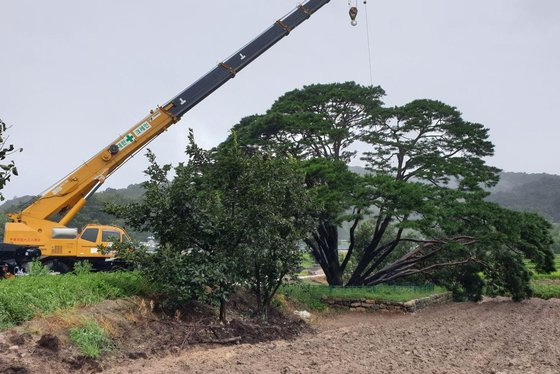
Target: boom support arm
69, 194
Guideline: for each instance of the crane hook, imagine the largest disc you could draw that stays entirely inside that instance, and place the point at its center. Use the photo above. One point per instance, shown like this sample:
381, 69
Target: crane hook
353, 13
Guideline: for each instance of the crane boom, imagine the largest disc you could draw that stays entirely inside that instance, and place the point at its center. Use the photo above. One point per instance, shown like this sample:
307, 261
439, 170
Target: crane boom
69, 195
40, 229
227, 69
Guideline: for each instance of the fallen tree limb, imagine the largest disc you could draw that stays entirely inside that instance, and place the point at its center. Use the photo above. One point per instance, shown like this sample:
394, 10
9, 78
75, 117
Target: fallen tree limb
220, 341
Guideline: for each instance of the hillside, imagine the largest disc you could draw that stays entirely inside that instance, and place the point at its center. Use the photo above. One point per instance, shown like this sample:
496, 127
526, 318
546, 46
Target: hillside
538, 193
519, 191
92, 212
529, 192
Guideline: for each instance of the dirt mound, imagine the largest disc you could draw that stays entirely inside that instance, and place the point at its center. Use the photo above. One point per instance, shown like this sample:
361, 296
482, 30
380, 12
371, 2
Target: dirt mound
84, 364
490, 337
243, 331
50, 342
137, 355
139, 331
279, 328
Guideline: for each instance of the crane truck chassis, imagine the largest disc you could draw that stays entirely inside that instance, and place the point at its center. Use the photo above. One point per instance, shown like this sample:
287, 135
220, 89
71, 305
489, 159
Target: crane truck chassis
40, 231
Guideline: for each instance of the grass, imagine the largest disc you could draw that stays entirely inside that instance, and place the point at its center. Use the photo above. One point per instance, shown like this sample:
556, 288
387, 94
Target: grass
90, 339
540, 282
546, 291
311, 295
23, 298
308, 260
542, 276
539, 276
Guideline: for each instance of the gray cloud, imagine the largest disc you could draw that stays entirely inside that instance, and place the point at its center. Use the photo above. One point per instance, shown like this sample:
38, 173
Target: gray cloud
75, 75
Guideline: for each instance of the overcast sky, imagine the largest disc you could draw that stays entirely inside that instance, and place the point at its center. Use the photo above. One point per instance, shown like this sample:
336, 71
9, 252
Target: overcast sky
74, 75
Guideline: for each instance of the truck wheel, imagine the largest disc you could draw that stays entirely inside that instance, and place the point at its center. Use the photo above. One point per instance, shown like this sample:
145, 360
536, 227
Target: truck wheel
57, 266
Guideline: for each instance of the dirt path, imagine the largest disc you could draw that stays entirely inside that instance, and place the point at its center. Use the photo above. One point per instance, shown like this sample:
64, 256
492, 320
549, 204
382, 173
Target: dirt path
497, 336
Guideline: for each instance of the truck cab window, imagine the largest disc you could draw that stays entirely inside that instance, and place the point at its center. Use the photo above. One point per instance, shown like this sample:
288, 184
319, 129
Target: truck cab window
110, 235
90, 235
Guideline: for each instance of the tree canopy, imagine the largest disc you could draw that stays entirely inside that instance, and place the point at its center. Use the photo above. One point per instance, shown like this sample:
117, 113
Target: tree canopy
424, 193
226, 219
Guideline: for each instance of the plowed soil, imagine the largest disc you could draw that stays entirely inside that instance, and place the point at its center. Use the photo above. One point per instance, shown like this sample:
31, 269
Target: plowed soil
497, 336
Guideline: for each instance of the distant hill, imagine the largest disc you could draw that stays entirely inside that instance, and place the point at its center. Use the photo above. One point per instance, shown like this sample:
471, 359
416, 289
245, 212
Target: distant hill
519, 191
526, 192
92, 212
15, 204
529, 192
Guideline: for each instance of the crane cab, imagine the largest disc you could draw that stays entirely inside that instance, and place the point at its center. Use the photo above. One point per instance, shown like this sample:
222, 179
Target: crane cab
93, 236
67, 247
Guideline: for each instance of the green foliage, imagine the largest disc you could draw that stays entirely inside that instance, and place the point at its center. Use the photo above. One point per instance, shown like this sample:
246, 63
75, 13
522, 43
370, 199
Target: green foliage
38, 269
6, 169
91, 339
307, 260
331, 115
312, 295
22, 298
424, 193
505, 240
334, 185
546, 285
546, 291
538, 276
429, 141
82, 267
555, 232
177, 276
227, 219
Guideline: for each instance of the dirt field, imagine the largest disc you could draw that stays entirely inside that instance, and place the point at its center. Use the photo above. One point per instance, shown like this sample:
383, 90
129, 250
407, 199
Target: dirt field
497, 336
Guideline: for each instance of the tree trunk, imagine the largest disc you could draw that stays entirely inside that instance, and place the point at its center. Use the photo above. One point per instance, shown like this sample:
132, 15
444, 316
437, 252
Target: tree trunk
324, 248
223, 309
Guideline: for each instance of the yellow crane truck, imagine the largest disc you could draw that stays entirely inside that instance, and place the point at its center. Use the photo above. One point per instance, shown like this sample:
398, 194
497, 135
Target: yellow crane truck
40, 230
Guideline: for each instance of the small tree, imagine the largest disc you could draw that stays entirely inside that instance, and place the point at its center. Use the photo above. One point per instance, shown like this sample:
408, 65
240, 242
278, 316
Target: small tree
226, 220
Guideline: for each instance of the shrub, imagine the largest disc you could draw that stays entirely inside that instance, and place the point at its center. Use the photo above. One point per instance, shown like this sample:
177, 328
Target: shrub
227, 220
37, 268
82, 267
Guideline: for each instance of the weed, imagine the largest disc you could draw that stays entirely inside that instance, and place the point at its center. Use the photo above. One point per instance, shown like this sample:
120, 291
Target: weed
544, 276
91, 339
546, 291
82, 267
37, 268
